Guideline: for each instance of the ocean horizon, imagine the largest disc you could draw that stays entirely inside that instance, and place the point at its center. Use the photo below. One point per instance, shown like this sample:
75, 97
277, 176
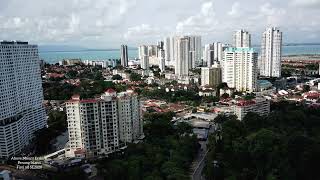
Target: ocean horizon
53, 57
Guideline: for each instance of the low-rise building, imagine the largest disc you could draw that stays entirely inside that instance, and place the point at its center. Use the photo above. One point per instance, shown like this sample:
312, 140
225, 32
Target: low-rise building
312, 96
259, 105
207, 92
102, 125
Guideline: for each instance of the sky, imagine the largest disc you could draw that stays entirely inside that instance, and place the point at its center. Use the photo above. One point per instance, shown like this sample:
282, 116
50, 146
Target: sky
110, 23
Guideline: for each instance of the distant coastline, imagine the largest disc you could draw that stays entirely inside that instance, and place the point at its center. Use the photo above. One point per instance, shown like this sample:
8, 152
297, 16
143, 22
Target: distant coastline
56, 54
83, 50
133, 48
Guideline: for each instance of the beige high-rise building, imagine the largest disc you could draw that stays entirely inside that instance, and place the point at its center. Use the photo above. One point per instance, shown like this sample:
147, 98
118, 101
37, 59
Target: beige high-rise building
102, 125
240, 69
183, 56
21, 101
271, 51
124, 55
242, 39
211, 76
208, 54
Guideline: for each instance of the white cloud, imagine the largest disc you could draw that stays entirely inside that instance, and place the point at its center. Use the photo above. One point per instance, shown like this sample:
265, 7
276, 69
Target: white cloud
307, 3
273, 16
143, 33
63, 21
109, 23
235, 9
199, 23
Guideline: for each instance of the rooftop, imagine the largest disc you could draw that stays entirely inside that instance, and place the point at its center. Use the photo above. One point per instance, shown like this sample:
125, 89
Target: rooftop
110, 90
232, 49
12, 42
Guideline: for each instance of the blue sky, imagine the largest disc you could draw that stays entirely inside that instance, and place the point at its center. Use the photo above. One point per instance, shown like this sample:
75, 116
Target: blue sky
109, 23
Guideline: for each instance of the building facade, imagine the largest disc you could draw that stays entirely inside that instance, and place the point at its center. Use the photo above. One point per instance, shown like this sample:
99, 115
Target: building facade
213, 53
218, 51
208, 54
195, 51
103, 125
271, 50
21, 109
240, 69
167, 49
162, 62
145, 62
211, 76
124, 55
242, 39
142, 51
172, 51
183, 59
258, 105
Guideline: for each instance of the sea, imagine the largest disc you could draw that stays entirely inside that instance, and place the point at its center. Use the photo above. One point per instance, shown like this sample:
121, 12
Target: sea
53, 57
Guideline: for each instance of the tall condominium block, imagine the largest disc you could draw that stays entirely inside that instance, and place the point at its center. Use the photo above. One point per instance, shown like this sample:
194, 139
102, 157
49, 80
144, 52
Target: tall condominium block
196, 51
161, 56
213, 53
172, 51
241, 39
21, 100
208, 54
130, 123
124, 55
170, 47
142, 51
218, 51
145, 62
271, 49
183, 53
211, 76
240, 69
152, 50
102, 125
167, 50
160, 45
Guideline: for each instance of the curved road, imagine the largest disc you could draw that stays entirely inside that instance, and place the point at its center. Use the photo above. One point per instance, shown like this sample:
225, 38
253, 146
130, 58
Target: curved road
199, 163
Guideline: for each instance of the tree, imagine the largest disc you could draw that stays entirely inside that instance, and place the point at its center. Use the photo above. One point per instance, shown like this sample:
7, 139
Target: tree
222, 86
252, 121
98, 76
71, 74
74, 173
116, 77
262, 147
305, 88
135, 77
164, 154
225, 96
184, 127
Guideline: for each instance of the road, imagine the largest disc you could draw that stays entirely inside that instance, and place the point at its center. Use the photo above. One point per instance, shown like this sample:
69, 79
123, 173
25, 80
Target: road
199, 163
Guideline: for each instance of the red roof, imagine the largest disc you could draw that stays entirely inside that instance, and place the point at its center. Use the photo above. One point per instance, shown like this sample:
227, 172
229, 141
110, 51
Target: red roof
79, 151
88, 101
245, 102
75, 97
110, 90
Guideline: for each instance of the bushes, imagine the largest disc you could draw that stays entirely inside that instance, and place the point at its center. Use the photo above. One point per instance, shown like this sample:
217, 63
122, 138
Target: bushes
164, 154
282, 145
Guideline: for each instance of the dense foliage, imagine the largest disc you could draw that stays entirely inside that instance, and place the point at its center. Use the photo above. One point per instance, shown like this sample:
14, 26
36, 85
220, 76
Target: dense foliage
116, 77
57, 124
86, 89
176, 96
284, 145
57, 91
166, 153
135, 77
